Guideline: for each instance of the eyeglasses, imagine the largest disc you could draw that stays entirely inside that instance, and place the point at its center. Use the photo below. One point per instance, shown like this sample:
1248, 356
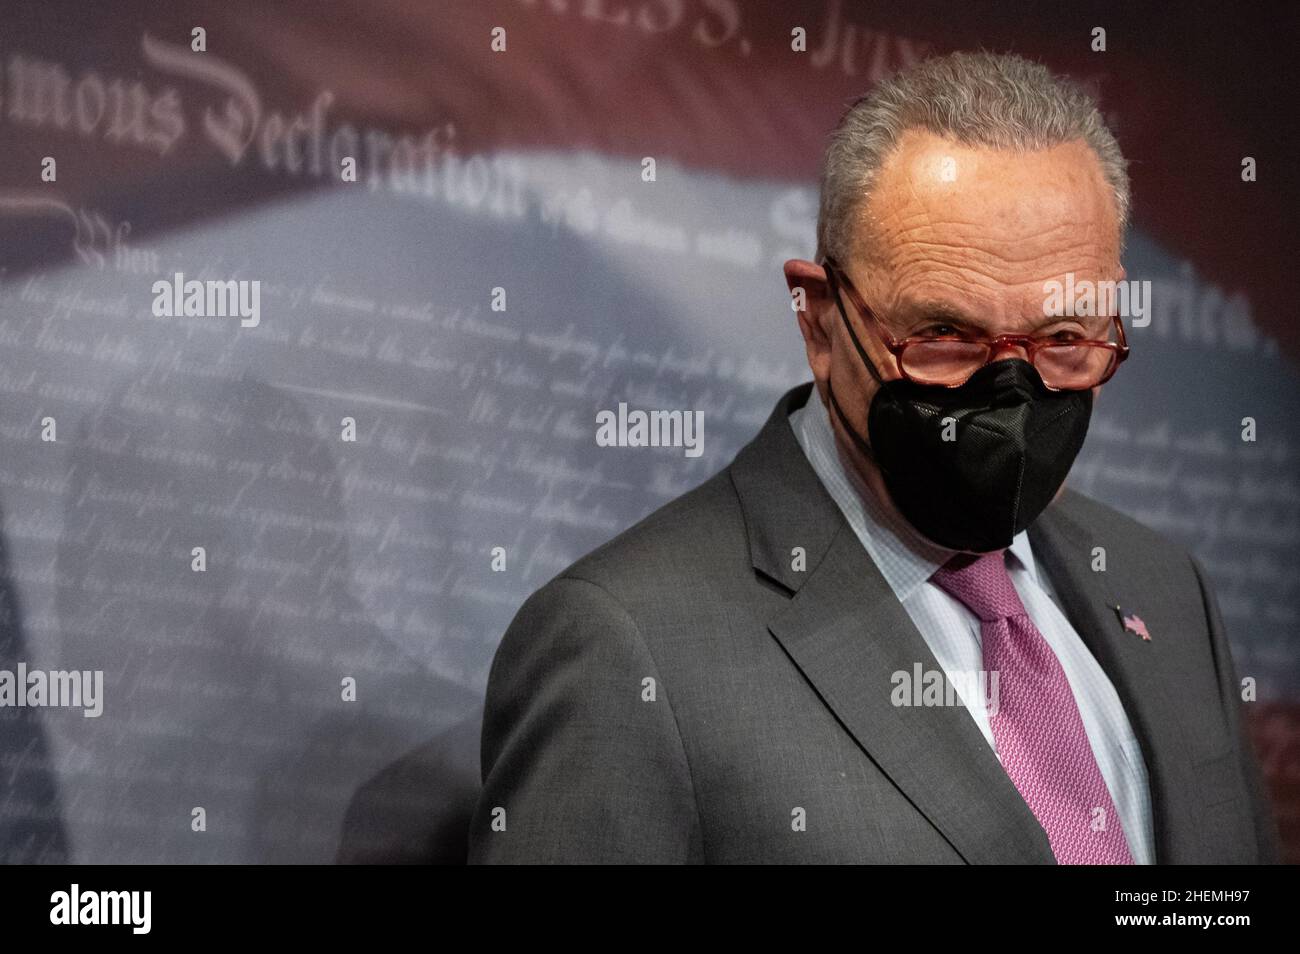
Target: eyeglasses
950, 360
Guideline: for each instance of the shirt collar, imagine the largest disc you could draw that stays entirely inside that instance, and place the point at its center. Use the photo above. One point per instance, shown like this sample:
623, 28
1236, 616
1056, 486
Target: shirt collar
903, 560
1022, 551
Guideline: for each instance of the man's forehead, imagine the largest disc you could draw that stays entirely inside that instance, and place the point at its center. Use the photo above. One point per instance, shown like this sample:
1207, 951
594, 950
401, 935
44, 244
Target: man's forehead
932, 184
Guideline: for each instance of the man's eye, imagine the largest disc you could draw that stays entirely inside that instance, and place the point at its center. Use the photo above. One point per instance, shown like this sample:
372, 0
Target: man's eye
1065, 335
940, 330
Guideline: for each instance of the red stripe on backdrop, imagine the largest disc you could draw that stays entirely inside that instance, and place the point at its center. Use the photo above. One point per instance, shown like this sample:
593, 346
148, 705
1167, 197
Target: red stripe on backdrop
1275, 730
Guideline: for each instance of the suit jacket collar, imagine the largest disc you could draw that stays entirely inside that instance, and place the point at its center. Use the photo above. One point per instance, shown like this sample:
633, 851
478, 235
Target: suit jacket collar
784, 503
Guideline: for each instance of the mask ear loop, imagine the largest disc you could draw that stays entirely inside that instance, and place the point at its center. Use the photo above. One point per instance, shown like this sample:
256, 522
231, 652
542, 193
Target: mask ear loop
863, 447
848, 326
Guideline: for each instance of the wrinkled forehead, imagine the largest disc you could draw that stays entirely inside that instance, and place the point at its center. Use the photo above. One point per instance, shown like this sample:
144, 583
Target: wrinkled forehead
1016, 211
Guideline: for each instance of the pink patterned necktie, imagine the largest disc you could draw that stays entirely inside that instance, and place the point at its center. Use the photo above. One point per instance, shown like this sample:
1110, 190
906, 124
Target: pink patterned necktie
1037, 728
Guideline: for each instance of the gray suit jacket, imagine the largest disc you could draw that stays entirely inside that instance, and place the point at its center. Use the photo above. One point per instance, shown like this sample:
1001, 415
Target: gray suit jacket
683, 694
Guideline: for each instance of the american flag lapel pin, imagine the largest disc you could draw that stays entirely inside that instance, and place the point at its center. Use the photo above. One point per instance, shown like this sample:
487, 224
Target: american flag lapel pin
1132, 623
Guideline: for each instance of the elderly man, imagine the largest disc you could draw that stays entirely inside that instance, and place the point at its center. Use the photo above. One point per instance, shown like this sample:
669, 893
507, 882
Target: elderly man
886, 632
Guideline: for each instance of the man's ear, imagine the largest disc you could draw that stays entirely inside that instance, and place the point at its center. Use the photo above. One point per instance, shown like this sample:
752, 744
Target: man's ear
811, 297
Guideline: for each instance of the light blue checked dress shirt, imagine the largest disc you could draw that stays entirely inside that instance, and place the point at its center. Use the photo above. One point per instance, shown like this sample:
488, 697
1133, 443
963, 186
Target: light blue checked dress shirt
953, 632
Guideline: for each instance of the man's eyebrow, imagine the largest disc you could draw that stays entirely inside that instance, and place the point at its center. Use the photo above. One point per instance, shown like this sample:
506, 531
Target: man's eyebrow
933, 308
910, 309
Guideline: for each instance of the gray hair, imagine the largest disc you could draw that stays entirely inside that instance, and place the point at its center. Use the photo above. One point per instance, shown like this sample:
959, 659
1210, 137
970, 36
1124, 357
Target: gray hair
985, 99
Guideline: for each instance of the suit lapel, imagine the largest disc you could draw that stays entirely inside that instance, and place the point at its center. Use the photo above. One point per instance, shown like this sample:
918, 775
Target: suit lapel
848, 634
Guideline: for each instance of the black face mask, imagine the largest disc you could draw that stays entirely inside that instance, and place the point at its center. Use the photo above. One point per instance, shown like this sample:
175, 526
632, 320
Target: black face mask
1012, 443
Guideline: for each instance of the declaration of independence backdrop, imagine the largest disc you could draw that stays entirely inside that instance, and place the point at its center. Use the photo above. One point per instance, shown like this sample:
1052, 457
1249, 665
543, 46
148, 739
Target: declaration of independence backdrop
499, 272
